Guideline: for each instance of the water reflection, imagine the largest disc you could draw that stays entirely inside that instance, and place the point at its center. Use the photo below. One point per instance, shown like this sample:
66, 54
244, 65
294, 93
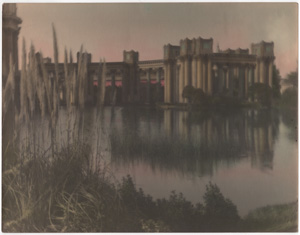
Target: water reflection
165, 150
194, 143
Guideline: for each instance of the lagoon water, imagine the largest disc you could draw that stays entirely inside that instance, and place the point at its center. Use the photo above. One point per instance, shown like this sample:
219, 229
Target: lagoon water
251, 155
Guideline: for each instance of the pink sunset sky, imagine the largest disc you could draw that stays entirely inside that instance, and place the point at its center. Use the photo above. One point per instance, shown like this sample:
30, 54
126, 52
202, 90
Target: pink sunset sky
106, 29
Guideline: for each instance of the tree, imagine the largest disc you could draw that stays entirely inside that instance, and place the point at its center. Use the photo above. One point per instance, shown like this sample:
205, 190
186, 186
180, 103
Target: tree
220, 213
188, 92
276, 82
195, 95
289, 97
262, 93
292, 79
199, 97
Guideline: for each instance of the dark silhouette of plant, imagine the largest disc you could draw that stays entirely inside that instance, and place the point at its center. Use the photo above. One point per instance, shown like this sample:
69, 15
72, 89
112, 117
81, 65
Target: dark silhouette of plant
276, 83
219, 212
292, 79
261, 93
188, 92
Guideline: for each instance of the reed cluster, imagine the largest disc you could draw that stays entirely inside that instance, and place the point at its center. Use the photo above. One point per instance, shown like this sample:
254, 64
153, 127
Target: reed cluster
63, 194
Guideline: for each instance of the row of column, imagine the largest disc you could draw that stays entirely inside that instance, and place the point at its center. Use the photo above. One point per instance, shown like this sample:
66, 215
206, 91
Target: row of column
227, 75
191, 71
264, 71
197, 72
168, 79
200, 72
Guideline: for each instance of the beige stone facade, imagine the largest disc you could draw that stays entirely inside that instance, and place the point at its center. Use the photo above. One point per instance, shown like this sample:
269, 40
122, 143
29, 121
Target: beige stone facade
194, 63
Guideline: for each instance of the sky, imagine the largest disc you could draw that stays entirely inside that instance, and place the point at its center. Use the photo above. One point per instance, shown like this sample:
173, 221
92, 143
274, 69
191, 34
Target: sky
106, 29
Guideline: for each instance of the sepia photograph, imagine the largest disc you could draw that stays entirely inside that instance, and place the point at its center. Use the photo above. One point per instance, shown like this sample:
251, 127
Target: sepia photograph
149, 117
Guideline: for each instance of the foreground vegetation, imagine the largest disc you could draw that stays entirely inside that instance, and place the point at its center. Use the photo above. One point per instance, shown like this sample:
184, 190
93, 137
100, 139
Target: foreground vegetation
63, 194
277, 218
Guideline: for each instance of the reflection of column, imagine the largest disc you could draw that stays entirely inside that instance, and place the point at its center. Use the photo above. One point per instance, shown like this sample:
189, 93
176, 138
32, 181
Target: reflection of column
270, 73
256, 141
182, 125
262, 138
209, 132
209, 77
270, 137
168, 122
246, 132
148, 86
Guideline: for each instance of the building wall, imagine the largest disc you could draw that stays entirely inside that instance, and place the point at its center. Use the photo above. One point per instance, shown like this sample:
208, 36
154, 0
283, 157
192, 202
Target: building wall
10, 33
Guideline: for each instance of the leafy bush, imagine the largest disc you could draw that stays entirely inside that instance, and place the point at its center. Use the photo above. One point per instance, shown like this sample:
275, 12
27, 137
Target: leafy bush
261, 93
219, 212
289, 97
64, 195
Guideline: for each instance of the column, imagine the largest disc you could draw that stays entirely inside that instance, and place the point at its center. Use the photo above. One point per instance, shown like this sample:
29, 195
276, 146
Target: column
240, 81
209, 78
246, 81
181, 81
262, 78
194, 72
256, 75
271, 73
124, 87
166, 83
148, 86
113, 88
252, 80
270, 138
204, 81
170, 81
187, 72
176, 82
199, 73
226, 73
158, 85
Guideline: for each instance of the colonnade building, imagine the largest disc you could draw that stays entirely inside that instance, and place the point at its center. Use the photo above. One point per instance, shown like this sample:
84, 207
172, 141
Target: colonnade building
224, 72
194, 63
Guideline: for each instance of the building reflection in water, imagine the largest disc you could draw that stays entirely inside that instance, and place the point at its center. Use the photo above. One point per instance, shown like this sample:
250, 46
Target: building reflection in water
195, 143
